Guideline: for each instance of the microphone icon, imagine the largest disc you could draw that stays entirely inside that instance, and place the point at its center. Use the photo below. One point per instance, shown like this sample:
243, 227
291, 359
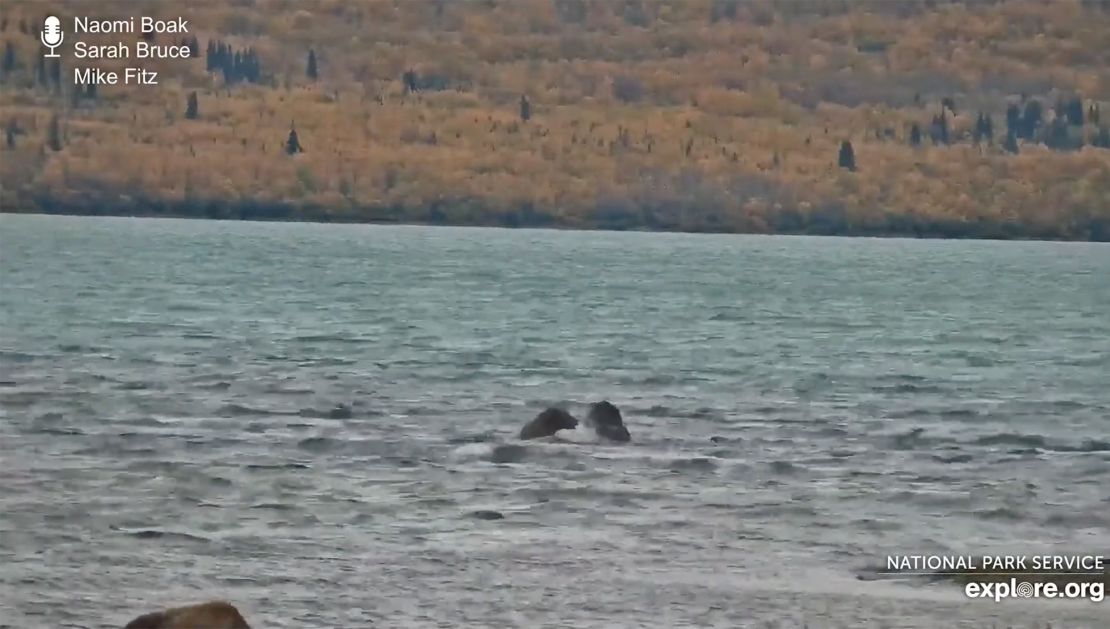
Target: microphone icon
51, 35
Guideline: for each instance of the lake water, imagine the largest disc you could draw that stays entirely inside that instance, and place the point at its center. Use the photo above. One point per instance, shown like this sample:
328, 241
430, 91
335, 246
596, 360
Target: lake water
304, 418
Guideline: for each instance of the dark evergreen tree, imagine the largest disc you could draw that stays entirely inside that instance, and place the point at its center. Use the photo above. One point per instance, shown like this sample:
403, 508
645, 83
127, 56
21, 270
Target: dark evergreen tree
23, 26
56, 73
191, 106
9, 133
251, 69
915, 135
409, 81
40, 72
90, 91
939, 130
10, 60
194, 46
1011, 143
54, 134
293, 144
237, 67
210, 57
1031, 119
1057, 137
525, 108
984, 129
847, 157
1101, 139
311, 70
948, 103
1013, 119
1073, 109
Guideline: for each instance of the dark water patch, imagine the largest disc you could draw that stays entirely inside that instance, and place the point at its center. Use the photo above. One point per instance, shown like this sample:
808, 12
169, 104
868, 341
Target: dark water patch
138, 385
163, 535
955, 458
1011, 439
959, 413
915, 439
19, 357
487, 514
157, 466
279, 390
1078, 520
508, 453
1006, 514
211, 442
274, 506
656, 410
661, 379
908, 388
693, 464
338, 411
116, 450
1023, 453
326, 361
1088, 445
24, 399
275, 466
332, 338
57, 431
481, 437
780, 509
878, 525
143, 421
201, 336
242, 410
785, 467
722, 440
77, 348
436, 502
318, 444
8, 383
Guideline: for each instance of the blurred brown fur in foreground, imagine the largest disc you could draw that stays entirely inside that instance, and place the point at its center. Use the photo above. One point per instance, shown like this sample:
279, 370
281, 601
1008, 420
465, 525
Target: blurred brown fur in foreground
210, 615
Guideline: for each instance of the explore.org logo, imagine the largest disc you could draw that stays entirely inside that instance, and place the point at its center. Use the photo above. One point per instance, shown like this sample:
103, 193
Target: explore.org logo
1014, 589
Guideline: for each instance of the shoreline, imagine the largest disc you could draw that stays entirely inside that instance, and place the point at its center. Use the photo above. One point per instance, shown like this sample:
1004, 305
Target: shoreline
287, 213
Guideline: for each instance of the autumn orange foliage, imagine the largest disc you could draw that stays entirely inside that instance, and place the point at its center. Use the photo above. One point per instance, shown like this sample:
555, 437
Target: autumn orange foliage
717, 115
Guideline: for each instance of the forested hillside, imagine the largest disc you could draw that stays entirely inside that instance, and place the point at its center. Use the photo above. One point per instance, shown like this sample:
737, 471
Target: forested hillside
978, 119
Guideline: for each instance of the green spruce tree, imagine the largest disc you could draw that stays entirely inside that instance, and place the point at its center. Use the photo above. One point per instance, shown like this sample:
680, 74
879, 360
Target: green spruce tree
312, 70
54, 134
847, 157
191, 106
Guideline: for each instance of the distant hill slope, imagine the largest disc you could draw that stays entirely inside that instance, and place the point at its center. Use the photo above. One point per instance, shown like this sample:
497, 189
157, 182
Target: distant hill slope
835, 117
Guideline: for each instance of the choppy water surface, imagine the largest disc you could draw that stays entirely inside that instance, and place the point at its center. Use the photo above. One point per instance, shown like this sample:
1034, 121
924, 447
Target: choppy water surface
303, 419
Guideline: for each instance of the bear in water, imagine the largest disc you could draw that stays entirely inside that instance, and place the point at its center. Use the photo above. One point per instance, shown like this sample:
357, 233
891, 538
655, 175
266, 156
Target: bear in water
548, 423
210, 615
606, 420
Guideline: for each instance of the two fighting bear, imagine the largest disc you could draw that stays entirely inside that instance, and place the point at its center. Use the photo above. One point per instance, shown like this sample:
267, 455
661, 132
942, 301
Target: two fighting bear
603, 416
